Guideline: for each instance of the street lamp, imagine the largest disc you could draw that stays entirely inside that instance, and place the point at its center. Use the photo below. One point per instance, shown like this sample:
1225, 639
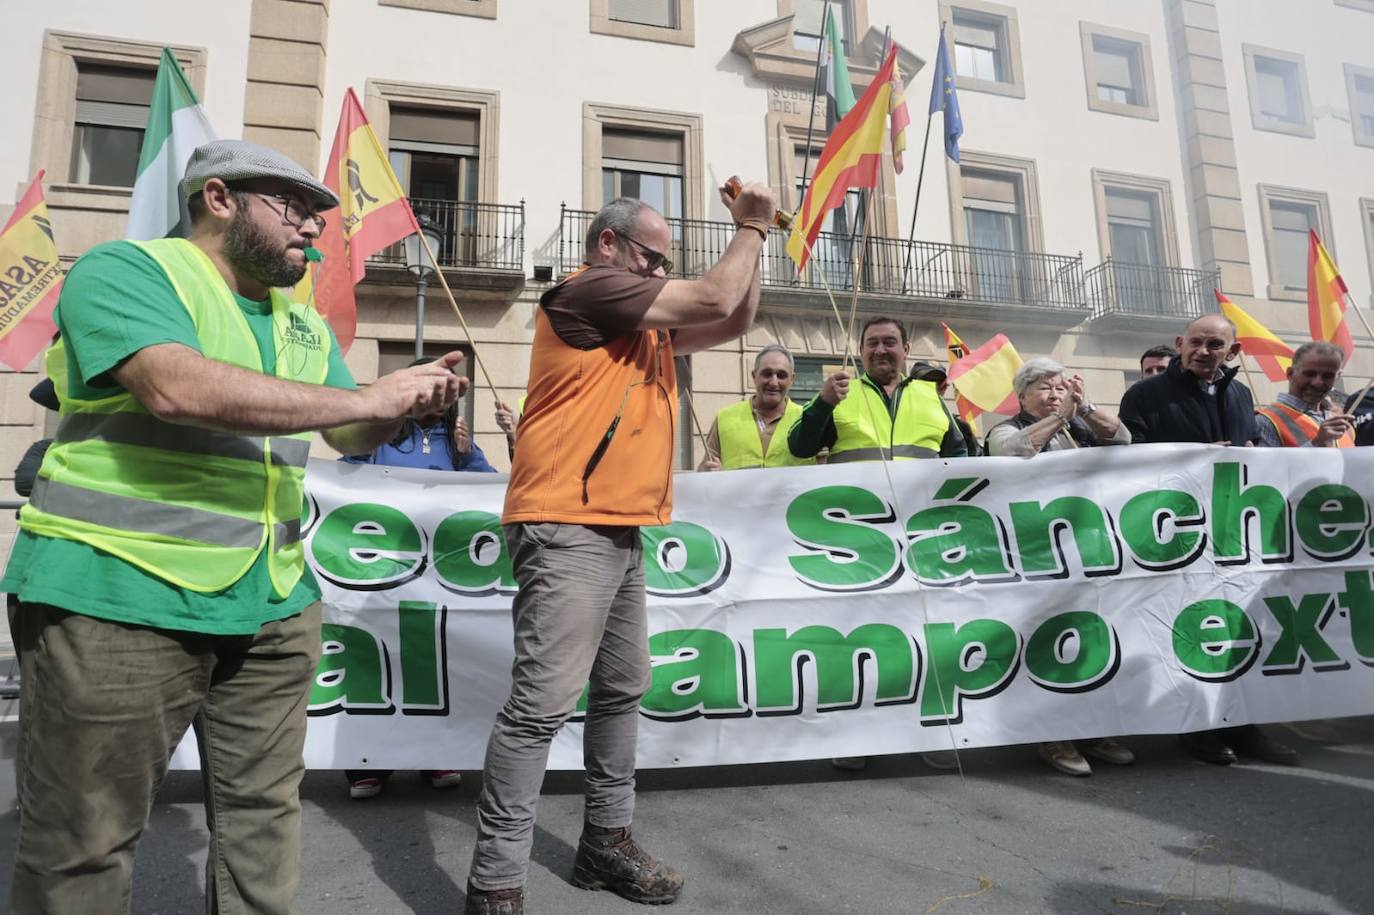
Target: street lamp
418, 263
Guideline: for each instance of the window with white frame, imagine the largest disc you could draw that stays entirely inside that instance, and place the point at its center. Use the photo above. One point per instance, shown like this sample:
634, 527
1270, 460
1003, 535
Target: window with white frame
984, 39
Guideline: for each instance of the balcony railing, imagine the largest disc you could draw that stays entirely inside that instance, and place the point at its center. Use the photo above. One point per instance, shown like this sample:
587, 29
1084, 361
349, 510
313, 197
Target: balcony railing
488, 236
889, 266
1118, 287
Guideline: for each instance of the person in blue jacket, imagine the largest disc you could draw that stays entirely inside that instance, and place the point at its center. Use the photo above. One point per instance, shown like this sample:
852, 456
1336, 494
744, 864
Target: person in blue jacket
437, 442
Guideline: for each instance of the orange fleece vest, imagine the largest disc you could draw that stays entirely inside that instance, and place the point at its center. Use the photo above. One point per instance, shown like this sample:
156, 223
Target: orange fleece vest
596, 440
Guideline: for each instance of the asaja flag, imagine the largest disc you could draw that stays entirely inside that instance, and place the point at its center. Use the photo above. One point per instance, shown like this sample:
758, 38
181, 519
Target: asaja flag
1326, 293
984, 377
176, 126
850, 159
839, 91
29, 279
373, 213
956, 349
1272, 354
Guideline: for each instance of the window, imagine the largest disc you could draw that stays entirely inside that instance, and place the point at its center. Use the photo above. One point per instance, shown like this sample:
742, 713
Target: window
111, 114
994, 199
985, 43
668, 21
807, 27
1136, 231
1359, 82
434, 153
1278, 91
1288, 214
647, 167
482, 9
1133, 227
1118, 72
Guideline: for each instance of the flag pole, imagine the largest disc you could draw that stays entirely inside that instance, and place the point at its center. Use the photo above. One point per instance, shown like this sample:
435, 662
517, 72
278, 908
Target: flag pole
920, 179
1351, 304
486, 376
811, 121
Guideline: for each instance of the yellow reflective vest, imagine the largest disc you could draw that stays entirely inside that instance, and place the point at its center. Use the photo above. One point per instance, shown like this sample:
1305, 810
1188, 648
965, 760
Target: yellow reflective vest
193, 506
740, 443
866, 431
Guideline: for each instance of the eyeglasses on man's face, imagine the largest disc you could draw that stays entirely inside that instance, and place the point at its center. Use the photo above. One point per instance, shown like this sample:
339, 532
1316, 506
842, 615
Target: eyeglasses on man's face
293, 212
653, 259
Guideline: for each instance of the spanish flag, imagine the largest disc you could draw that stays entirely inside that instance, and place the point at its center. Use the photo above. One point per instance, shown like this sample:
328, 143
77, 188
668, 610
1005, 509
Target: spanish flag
373, 213
1326, 293
1272, 354
984, 377
29, 279
898, 116
956, 349
850, 159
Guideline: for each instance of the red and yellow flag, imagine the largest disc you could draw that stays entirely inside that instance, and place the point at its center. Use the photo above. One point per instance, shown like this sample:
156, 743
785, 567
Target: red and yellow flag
373, 213
984, 376
850, 159
1326, 293
956, 349
29, 279
1272, 354
898, 116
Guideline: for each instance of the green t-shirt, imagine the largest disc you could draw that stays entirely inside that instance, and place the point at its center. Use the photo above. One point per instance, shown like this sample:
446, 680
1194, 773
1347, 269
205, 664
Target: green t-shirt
115, 301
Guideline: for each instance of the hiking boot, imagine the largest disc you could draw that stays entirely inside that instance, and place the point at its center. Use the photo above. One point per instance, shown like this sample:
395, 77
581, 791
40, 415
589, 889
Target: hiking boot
610, 859
495, 902
1109, 751
1064, 756
1208, 746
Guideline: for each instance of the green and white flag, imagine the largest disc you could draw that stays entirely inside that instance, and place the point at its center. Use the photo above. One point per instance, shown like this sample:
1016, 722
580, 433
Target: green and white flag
176, 126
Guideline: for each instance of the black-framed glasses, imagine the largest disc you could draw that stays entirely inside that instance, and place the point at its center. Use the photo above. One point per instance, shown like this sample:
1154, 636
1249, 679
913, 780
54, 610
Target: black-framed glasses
652, 258
293, 213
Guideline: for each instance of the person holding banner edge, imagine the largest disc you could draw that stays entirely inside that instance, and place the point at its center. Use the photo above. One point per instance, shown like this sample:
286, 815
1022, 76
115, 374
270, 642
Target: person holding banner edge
1302, 416
594, 462
159, 566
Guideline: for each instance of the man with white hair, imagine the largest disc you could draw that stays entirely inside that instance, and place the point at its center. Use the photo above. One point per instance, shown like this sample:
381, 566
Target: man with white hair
753, 432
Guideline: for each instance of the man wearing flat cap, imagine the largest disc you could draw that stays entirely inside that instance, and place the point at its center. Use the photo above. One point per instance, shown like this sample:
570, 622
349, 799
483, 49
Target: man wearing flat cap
159, 563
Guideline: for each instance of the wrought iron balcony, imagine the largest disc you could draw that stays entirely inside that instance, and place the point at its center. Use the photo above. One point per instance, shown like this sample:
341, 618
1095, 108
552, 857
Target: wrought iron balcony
484, 236
1145, 290
888, 267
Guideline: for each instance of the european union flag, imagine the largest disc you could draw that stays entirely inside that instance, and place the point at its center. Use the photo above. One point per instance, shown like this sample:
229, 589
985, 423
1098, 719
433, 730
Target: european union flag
943, 98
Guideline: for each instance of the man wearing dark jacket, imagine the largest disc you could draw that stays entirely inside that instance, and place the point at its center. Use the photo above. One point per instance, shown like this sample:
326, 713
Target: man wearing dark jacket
1198, 399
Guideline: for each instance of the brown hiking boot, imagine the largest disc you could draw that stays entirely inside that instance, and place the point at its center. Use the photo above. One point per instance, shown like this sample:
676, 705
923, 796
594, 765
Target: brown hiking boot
611, 860
495, 902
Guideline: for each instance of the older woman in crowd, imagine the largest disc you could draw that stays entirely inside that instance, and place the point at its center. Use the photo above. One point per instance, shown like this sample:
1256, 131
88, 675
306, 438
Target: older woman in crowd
1056, 414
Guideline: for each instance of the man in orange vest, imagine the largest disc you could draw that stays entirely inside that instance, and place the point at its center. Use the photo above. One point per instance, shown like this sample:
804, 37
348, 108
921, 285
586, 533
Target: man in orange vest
1302, 417
594, 463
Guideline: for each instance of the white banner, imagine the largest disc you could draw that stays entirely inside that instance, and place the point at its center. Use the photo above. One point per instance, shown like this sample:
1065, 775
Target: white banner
864, 609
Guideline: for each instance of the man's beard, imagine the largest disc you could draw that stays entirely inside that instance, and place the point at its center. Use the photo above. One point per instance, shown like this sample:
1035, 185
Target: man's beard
249, 251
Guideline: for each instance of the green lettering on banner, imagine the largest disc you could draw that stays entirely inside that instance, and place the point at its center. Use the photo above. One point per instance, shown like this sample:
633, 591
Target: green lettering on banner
683, 558
353, 674
424, 644
1215, 640
366, 546
1301, 638
1073, 652
1233, 506
840, 662
847, 551
471, 555
952, 543
1331, 520
1142, 527
1038, 530
1357, 600
973, 661
695, 672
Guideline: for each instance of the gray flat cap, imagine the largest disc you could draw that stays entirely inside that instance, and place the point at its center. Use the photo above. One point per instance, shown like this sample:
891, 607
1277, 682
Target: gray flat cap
239, 160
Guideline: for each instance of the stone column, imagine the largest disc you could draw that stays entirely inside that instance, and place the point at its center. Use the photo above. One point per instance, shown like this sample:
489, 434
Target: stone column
283, 107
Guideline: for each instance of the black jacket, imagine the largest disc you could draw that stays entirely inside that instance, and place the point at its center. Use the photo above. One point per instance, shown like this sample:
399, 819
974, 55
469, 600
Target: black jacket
1171, 407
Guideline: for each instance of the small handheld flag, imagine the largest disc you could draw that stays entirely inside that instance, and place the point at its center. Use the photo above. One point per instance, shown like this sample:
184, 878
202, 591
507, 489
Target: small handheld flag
30, 278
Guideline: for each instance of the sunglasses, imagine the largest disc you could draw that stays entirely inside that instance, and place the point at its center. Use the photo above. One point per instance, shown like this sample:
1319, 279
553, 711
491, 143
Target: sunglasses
653, 259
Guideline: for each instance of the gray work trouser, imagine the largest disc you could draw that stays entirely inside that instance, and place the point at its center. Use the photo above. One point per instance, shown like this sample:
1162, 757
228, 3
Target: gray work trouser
102, 706
579, 616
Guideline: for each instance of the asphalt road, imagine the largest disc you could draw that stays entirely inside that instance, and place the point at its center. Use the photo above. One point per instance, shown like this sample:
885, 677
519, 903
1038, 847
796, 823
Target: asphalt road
1167, 835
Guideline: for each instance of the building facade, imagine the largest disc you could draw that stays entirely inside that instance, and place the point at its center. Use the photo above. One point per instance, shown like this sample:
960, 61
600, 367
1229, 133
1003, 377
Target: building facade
1119, 160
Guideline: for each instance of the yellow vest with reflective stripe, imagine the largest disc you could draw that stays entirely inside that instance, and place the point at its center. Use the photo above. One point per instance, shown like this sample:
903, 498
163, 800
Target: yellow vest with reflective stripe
742, 446
192, 506
865, 431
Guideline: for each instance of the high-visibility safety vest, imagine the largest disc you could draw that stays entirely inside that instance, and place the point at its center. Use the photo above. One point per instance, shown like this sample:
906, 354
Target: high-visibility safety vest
193, 506
866, 431
741, 445
1297, 428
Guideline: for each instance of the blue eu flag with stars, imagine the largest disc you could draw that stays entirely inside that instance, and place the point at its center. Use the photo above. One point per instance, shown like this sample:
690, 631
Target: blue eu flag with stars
943, 98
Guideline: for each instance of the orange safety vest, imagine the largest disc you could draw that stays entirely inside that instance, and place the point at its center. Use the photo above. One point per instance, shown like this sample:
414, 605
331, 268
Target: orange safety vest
1296, 428
597, 433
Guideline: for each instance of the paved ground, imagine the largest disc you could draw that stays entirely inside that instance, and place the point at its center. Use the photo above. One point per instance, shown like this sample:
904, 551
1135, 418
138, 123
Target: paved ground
1167, 835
